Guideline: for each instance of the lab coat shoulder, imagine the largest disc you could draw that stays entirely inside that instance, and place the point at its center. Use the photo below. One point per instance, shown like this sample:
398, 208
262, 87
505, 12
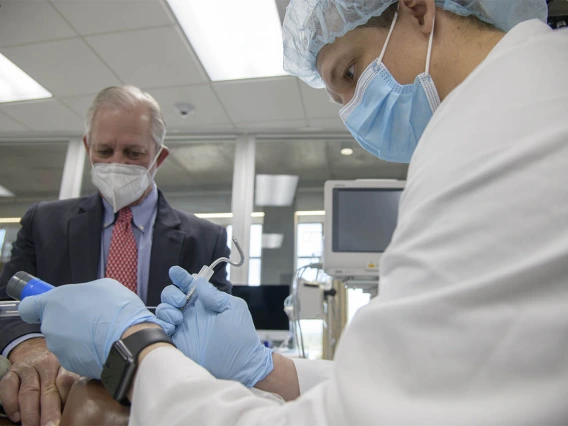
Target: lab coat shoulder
470, 326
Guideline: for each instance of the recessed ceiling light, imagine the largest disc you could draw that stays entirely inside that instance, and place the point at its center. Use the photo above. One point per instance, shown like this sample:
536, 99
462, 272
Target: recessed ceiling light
16, 85
233, 39
346, 151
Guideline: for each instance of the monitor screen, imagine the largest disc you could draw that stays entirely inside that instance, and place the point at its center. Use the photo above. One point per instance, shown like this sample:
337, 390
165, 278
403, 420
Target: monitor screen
266, 305
364, 219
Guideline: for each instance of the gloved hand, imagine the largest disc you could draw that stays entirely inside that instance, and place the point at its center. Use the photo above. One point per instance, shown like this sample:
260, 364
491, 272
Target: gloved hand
80, 322
215, 330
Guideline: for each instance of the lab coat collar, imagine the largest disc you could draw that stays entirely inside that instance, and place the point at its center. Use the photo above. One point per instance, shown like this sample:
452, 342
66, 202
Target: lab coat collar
520, 34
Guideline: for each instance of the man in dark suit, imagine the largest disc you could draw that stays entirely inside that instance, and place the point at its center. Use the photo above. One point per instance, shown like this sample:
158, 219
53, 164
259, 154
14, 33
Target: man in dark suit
128, 232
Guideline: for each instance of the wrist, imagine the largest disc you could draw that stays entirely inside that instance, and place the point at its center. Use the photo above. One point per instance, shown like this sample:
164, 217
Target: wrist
23, 349
282, 380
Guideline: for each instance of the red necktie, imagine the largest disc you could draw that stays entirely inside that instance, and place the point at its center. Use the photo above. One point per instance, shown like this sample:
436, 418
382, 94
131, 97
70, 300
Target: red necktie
122, 264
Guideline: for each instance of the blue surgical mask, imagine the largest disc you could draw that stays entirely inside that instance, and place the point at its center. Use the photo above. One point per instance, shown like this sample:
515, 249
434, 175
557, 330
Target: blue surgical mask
388, 118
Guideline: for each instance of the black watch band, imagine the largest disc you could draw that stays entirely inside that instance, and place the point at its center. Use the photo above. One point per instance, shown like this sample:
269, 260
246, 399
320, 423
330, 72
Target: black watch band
136, 342
122, 362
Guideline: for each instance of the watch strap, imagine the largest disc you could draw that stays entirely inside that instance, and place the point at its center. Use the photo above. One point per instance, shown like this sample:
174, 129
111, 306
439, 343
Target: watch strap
141, 339
117, 382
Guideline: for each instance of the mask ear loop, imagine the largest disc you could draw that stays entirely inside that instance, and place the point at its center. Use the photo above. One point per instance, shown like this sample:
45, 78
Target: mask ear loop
113, 192
380, 59
428, 55
154, 161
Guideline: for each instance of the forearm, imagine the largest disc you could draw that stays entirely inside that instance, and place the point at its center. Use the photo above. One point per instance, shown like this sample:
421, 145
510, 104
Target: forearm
283, 380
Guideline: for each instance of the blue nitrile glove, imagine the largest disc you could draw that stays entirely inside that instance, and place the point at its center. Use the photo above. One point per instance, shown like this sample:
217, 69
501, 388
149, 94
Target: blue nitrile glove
80, 322
215, 330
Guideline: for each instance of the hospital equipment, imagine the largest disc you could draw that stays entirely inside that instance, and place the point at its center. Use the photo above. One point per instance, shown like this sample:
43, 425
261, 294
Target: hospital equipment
266, 305
207, 271
360, 219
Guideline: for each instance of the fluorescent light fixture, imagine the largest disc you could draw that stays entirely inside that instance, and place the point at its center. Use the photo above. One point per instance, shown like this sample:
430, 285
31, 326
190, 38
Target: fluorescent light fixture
311, 213
233, 39
272, 241
275, 190
16, 85
214, 215
224, 215
5, 192
346, 151
9, 220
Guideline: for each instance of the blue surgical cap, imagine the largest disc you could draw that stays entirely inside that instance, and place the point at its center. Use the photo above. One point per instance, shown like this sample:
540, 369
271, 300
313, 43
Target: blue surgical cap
311, 24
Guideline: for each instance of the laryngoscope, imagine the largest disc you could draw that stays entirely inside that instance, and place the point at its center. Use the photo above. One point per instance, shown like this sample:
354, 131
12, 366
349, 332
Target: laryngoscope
207, 271
22, 284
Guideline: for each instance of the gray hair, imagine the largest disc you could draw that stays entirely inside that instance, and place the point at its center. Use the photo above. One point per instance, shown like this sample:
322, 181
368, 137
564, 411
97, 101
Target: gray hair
128, 97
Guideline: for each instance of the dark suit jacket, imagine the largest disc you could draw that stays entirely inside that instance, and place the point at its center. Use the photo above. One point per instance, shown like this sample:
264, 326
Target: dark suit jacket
60, 243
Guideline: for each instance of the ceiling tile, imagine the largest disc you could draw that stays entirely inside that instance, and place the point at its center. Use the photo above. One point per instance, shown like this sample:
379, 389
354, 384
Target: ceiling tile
43, 164
42, 23
96, 17
79, 104
44, 116
65, 67
317, 102
271, 99
208, 109
155, 57
8, 125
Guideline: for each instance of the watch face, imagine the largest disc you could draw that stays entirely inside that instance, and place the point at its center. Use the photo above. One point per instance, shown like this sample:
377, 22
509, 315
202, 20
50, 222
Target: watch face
117, 370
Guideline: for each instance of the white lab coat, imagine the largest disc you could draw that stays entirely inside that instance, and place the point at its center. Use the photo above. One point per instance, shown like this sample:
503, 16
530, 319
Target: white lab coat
471, 327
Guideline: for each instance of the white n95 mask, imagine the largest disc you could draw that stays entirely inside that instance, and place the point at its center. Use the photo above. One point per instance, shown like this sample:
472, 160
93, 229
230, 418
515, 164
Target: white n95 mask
122, 184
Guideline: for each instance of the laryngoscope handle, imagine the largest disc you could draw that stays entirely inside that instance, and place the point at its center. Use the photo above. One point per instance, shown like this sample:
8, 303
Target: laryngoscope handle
20, 286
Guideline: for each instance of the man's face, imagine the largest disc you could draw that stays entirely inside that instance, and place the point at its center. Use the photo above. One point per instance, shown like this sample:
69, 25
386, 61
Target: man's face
121, 136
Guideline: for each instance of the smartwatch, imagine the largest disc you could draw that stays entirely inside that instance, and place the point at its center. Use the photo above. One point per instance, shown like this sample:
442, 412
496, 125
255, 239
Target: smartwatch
122, 361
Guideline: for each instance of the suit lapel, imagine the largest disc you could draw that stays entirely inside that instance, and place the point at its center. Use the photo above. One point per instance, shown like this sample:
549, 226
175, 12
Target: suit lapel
167, 245
85, 240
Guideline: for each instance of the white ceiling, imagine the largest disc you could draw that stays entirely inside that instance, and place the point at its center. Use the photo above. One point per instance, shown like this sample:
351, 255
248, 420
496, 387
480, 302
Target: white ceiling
74, 48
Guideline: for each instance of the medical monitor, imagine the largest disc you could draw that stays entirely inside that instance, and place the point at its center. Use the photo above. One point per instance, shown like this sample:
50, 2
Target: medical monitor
266, 305
360, 218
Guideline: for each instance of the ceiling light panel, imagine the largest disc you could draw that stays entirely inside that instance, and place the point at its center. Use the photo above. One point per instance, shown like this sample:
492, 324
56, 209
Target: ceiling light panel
275, 190
233, 39
16, 85
272, 241
4, 192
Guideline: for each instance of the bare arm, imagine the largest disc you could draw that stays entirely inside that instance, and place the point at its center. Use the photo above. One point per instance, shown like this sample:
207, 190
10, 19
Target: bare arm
283, 380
